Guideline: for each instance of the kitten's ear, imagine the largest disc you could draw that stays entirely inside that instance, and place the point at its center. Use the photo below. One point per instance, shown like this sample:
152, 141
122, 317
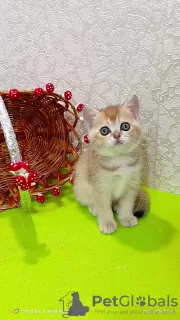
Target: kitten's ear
89, 115
133, 106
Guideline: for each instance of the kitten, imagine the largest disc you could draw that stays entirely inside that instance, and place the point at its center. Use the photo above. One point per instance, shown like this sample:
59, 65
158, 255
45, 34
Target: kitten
108, 174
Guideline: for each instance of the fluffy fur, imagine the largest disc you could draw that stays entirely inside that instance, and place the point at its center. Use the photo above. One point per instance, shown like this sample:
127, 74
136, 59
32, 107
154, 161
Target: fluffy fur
108, 174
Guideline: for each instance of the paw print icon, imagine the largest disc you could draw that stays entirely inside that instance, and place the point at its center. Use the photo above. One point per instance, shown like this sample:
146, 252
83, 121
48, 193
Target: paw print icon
141, 301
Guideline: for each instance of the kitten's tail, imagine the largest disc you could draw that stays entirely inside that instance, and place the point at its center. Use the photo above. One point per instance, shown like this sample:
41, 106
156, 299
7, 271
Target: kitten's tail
141, 205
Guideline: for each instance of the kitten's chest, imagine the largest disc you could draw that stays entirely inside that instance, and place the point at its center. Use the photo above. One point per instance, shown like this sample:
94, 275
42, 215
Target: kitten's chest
119, 185
117, 181
120, 180
119, 174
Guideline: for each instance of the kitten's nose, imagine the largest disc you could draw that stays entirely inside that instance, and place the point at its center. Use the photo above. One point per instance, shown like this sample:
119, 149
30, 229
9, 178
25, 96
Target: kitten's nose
116, 135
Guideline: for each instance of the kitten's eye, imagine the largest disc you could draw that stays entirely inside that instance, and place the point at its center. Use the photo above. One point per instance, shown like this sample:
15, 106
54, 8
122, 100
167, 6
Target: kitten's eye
104, 131
125, 126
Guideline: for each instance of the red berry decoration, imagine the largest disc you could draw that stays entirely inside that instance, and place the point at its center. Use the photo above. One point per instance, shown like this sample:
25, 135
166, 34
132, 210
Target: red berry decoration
20, 180
25, 187
41, 198
56, 191
38, 92
31, 185
14, 94
80, 107
72, 180
32, 177
49, 87
15, 166
77, 148
25, 166
86, 139
68, 95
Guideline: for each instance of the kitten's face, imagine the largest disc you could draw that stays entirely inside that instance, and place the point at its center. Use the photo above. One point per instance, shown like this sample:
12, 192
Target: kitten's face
115, 131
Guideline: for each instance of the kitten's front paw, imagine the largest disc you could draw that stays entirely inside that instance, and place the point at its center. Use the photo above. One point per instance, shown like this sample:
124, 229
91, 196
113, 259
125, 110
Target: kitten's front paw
129, 222
107, 227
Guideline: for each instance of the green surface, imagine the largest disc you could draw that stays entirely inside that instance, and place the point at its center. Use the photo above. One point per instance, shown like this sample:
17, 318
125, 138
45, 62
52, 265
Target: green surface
58, 248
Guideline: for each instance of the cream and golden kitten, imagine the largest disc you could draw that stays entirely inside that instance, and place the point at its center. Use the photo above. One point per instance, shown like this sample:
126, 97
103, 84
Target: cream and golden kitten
108, 174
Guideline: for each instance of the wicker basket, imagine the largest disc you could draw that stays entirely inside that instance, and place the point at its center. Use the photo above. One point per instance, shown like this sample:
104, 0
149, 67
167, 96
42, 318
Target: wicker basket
45, 129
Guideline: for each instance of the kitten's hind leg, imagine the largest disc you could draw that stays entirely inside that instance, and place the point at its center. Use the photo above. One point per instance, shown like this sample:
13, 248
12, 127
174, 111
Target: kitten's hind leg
85, 197
83, 193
